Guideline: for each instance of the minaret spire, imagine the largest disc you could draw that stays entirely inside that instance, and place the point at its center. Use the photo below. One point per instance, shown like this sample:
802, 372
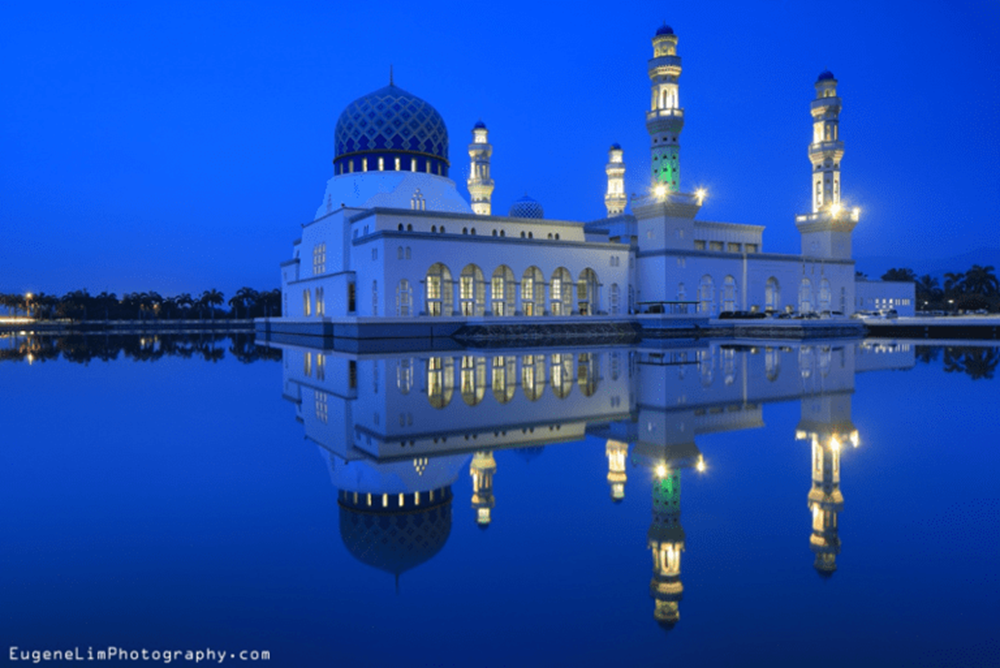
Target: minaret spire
480, 183
826, 232
665, 118
614, 199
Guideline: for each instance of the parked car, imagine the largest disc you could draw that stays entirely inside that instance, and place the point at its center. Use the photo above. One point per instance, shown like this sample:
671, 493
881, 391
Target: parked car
741, 315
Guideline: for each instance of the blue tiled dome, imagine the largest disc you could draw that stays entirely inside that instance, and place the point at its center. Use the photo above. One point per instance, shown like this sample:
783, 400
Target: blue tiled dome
526, 207
391, 123
824, 75
615, 147
480, 125
664, 30
395, 542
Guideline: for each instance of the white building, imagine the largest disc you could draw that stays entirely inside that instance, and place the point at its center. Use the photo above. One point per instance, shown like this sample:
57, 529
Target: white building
393, 239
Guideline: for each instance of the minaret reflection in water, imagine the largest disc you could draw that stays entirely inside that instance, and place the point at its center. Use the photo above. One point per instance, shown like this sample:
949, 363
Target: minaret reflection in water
398, 430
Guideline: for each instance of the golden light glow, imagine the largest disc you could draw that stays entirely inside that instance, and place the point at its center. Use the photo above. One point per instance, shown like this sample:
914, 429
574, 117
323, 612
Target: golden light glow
855, 440
700, 465
660, 191
834, 443
835, 210
701, 194
661, 471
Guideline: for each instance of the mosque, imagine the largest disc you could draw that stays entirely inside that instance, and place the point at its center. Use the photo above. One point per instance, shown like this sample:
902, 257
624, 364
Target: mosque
393, 239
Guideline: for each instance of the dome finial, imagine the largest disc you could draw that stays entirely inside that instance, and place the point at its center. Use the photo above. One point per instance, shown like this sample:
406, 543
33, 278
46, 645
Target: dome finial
390, 75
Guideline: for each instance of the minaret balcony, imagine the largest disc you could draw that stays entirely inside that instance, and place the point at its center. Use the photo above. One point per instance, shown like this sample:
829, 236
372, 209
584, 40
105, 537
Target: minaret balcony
664, 113
827, 148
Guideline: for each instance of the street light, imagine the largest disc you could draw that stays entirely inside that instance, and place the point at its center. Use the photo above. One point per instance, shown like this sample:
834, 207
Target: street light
27, 304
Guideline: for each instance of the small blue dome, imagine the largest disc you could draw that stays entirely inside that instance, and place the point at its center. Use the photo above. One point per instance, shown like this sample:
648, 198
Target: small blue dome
664, 30
825, 75
479, 125
615, 147
526, 207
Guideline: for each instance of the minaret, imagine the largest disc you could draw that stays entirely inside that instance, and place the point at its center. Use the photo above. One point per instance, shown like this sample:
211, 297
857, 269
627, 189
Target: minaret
826, 423
825, 502
480, 183
665, 118
617, 453
666, 540
482, 469
826, 233
614, 199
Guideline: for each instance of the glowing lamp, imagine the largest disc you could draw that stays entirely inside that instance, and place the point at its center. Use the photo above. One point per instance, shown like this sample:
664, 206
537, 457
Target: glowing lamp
661, 471
835, 210
660, 191
700, 465
701, 194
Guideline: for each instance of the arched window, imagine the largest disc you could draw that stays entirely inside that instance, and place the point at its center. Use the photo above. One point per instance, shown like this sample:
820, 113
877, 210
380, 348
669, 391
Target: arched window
729, 294
404, 375
587, 293
772, 295
502, 291
615, 299
438, 293
399, 253
805, 296
404, 298
561, 292
473, 379
504, 378
706, 296
440, 381
561, 373
825, 295
533, 376
586, 373
533, 292
471, 291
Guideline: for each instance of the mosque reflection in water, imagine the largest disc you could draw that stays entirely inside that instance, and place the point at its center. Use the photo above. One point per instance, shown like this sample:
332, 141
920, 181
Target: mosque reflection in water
397, 431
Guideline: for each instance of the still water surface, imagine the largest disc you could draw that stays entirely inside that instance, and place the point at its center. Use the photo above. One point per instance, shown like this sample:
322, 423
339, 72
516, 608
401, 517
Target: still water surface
698, 503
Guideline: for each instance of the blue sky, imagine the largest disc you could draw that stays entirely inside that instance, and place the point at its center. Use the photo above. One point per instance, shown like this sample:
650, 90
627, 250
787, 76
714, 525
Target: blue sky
179, 146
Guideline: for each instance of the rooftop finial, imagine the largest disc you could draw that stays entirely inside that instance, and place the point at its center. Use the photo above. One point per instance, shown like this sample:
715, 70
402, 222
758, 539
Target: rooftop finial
390, 75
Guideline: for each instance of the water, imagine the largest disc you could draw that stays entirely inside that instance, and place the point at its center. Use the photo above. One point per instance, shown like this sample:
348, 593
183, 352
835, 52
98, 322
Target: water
153, 500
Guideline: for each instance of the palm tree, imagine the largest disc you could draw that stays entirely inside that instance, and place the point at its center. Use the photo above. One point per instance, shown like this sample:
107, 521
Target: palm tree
954, 284
185, 301
210, 299
902, 275
928, 289
982, 280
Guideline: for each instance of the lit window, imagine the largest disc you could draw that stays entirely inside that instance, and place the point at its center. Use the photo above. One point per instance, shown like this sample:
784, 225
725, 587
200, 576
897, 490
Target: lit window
319, 258
397, 164
381, 164
306, 303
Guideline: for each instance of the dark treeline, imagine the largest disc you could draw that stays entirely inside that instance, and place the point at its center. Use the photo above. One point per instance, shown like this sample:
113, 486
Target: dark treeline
80, 305
977, 288
978, 362
84, 348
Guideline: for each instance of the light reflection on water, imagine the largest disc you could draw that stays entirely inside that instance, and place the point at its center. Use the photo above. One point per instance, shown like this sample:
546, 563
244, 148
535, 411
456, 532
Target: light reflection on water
417, 447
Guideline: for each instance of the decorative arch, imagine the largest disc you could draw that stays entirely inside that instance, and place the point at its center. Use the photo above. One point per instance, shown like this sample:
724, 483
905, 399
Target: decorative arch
533, 292
706, 296
471, 291
561, 292
438, 294
561, 373
772, 295
825, 295
533, 376
473, 379
587, 373
404, 298
729, 301
587, 295
440, 381
504, 378
502, 291
805, 296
